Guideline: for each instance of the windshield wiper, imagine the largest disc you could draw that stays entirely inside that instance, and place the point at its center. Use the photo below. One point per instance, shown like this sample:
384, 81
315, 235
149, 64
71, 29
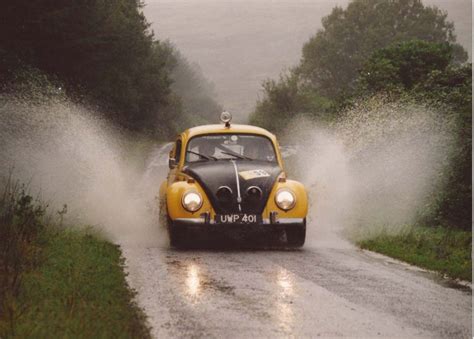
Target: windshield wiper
236, 155
207, 157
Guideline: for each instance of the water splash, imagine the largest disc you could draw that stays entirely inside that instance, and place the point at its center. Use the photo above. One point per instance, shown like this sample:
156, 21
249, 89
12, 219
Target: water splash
74, 157
379, 167
376, 168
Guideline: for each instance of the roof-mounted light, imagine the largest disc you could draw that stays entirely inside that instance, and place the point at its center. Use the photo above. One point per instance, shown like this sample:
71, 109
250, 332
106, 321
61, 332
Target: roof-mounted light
226, 118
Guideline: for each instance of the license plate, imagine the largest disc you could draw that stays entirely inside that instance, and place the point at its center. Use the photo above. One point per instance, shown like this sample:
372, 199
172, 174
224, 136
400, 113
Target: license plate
240, 218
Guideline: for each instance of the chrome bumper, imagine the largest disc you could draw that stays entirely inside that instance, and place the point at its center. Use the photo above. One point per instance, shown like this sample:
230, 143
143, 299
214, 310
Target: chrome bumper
209, 224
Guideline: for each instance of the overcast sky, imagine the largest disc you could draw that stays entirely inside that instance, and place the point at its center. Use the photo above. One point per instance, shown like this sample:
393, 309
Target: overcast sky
239, 43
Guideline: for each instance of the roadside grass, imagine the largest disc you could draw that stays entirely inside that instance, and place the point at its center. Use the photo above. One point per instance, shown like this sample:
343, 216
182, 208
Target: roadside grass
79, 290
447, 251
58, 281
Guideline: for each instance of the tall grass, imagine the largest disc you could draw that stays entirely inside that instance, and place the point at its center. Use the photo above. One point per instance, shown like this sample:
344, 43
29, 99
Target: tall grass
21, 221
444, 250
58, 281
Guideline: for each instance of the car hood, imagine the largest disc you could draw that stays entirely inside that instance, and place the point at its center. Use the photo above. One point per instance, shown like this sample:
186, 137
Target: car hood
214, 175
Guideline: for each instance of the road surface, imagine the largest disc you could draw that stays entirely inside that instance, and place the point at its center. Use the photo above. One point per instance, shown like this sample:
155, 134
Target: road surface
329, 288
320, 290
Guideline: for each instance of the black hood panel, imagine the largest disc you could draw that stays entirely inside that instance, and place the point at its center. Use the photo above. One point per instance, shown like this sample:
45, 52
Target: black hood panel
212, 175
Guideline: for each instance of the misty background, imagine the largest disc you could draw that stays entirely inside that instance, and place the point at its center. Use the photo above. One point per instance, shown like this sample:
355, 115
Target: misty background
240, 43
85, 120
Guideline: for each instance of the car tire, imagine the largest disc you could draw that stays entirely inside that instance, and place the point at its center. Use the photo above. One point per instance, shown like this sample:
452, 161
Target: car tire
177, 236
296, 235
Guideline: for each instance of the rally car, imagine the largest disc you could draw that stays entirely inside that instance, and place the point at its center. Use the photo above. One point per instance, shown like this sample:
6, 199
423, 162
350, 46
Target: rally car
230, 176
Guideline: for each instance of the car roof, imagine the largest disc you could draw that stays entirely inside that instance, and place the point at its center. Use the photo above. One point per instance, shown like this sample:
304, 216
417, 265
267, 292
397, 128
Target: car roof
221, 129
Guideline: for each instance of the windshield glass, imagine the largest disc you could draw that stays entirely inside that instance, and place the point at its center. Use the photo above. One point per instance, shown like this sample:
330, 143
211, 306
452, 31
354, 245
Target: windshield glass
230, 147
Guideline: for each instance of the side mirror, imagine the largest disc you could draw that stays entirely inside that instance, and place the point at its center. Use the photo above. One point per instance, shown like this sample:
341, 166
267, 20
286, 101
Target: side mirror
171, 163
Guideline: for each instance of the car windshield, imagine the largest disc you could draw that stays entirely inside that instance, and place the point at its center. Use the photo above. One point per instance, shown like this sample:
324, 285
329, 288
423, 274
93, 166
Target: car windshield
230, 147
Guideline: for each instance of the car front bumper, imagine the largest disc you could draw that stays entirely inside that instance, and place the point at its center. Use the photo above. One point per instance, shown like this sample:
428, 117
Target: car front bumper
209, 225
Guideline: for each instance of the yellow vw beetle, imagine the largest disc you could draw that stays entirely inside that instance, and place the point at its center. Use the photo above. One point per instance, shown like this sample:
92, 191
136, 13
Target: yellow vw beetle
227, 176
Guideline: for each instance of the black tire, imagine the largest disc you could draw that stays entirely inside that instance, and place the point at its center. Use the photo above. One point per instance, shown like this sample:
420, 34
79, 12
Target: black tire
176, 238
296, 235
177, 235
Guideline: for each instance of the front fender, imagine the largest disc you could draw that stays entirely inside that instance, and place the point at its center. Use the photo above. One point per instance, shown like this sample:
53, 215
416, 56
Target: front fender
301, 208
174, 194
162, 191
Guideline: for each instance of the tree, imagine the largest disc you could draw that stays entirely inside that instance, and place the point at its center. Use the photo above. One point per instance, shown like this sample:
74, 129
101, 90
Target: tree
102, 49
425, 72
451, 89
195, 91
287, 99
404, 64
332, 58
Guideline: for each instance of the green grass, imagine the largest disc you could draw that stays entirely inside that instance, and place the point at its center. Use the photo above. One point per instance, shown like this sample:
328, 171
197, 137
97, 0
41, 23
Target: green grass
77, 291
444, 250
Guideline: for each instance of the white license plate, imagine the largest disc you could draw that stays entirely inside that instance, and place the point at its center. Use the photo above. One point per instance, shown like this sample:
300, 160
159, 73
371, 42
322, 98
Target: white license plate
238, 218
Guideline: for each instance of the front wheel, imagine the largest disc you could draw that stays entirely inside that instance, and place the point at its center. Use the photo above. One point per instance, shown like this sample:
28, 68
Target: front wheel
296, 235
177, 235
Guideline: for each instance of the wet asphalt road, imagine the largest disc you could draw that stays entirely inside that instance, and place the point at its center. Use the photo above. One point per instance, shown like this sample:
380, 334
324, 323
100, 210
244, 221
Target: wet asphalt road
321, 290
328, 289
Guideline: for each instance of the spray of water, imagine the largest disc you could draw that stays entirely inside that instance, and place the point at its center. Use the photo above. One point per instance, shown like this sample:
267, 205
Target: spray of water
73, 157
375, 169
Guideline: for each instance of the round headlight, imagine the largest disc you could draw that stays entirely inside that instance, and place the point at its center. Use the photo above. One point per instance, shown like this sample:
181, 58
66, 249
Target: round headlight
285, 199
192, 201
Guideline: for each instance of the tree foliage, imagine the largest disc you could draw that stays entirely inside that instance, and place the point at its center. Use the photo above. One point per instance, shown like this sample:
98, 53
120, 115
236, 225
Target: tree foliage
332, 58
426, 72
195, 91
404, 64
101, 50
400, 48
451, 90
286, 99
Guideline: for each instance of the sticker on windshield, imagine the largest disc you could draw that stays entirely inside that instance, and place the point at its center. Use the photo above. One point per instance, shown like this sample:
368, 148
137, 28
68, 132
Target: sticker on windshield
247, 175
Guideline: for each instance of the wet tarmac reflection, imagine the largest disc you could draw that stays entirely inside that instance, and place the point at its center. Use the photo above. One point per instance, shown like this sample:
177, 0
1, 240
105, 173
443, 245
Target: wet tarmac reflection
193, 281
284, 302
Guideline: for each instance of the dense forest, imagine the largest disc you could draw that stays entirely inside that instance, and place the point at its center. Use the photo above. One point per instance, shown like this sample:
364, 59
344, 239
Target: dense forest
103, 54
401, 49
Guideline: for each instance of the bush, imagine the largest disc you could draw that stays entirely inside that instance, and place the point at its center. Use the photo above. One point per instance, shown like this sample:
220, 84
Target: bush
21, 222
